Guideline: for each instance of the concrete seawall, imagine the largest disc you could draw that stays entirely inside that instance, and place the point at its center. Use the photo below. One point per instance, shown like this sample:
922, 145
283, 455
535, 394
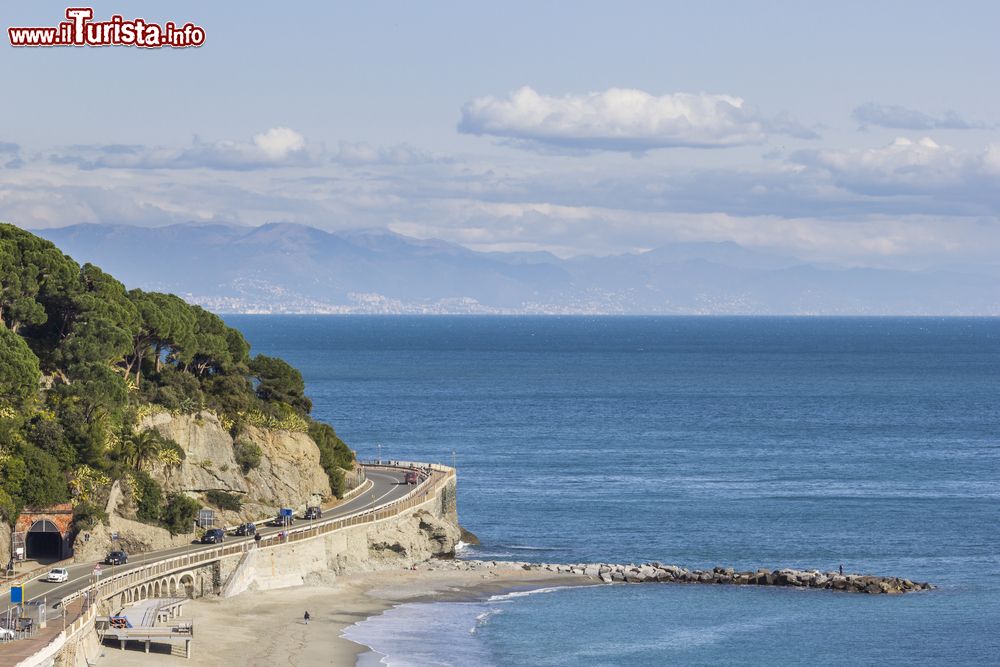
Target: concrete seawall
423, 532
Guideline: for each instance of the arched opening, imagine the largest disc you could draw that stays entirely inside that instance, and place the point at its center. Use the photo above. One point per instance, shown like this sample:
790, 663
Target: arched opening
173, 587
156, 590
187, 581
43, 541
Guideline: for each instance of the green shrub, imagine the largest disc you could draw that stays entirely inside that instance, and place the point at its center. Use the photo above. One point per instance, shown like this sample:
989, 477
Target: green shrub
87, 515
247, 455
338, 484
224, 500
44, 483
8, 508
334, 455
149, 497
180, 513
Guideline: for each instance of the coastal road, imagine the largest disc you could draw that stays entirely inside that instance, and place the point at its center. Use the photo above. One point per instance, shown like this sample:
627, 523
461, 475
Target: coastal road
387, 486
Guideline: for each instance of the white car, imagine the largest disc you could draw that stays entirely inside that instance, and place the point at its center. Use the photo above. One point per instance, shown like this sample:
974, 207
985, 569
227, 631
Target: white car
6, 635
57, 574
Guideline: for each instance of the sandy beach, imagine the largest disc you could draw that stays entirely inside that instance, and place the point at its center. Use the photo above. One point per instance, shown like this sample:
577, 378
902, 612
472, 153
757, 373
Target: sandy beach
267, 629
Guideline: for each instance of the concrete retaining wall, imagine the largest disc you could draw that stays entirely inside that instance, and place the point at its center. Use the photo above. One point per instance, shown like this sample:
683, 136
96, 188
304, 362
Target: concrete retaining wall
429, 529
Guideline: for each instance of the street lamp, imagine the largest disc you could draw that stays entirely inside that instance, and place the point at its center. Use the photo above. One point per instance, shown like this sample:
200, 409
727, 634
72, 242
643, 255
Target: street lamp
379, 445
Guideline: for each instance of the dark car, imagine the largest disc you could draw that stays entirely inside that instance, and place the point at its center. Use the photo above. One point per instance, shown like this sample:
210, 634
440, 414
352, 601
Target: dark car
116, 558
246, 529
412, 477
282, 520
213, 536
313, 513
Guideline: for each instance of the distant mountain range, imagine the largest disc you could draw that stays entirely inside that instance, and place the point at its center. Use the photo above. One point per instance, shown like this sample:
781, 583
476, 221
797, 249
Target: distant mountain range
290, 268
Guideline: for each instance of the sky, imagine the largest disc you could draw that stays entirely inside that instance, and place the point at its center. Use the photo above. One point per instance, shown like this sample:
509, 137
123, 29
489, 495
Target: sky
853, 133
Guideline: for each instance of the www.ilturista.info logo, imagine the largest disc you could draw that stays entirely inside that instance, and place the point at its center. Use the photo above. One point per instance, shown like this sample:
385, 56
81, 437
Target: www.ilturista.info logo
81, 30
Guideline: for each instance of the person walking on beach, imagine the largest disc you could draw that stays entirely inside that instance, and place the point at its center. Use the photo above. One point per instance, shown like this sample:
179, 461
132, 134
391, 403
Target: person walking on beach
306, 618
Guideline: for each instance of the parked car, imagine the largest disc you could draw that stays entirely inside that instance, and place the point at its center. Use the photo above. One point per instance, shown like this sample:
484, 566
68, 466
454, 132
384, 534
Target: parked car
313, 513
412, 477
283, 520
246, 529
213, 536
116, 558
58, 575
6, 635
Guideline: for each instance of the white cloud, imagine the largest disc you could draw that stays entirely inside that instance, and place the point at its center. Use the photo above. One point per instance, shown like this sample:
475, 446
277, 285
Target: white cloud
279, 142
898, 117
623, 119
276, 147
907, 166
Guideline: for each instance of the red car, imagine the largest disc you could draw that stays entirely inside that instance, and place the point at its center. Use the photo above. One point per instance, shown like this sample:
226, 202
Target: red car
412, 477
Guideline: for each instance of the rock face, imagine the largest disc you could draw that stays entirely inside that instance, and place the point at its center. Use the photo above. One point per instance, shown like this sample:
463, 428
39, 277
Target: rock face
5, 543
403, 541
289, 474
134, 537
658, 572
415, 538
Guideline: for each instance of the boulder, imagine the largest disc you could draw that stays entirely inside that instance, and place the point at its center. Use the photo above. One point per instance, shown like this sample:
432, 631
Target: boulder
468, 537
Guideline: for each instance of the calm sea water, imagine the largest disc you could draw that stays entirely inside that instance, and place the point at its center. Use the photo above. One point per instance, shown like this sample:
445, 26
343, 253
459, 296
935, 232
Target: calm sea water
699, 441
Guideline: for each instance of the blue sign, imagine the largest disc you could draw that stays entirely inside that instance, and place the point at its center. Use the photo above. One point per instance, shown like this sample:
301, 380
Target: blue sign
286, 512
16, 594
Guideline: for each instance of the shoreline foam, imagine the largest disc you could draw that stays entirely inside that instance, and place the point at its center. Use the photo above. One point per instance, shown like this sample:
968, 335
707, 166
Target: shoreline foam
265, 628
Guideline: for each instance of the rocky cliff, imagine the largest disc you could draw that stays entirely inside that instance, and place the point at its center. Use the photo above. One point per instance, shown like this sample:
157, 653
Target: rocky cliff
289, 474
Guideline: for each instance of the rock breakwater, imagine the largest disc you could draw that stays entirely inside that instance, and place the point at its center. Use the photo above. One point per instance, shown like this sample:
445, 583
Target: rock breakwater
656, 572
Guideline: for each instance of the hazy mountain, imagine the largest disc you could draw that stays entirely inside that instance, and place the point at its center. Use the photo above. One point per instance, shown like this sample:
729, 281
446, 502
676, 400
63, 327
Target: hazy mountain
294, 268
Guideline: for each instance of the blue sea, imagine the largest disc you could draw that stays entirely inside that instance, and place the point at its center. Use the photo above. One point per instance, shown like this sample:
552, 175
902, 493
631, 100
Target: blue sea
752, 442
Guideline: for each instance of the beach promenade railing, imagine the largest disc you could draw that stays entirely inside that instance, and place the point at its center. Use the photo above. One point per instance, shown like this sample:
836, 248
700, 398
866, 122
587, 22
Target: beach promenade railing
116, 584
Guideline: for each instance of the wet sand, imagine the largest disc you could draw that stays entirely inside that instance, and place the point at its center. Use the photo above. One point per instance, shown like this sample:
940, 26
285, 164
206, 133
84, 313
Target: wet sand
266, 629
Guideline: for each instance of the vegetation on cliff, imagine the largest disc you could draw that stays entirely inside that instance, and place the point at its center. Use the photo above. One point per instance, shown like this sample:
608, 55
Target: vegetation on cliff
82, 359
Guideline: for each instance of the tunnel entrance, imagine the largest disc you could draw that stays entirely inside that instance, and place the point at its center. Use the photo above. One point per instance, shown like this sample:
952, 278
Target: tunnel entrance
43, 541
